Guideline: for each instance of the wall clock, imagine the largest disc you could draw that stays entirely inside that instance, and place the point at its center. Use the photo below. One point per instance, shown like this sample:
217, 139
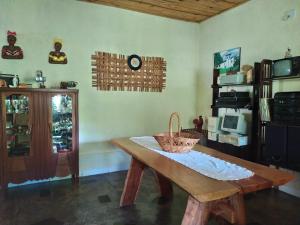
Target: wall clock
134, 62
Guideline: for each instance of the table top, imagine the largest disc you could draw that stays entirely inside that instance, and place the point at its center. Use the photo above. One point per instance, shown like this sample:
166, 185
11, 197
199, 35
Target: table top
203, 188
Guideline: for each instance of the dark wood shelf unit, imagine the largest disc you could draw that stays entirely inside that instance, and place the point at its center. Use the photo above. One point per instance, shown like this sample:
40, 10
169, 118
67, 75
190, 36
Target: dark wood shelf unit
248, 152
262, 88
266, 91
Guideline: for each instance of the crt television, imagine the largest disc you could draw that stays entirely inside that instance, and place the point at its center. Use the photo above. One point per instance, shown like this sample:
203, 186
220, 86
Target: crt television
286, 67
234, 123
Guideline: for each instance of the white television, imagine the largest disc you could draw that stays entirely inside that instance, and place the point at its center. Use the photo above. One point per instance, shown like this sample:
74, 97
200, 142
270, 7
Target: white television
234, 123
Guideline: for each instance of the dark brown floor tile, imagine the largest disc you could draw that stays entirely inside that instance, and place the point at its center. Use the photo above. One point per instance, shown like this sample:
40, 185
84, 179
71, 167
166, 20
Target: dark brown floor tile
104, 199
50, 221
45, 193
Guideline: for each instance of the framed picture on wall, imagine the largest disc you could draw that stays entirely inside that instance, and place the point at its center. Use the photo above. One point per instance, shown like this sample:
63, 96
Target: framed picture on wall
228, 61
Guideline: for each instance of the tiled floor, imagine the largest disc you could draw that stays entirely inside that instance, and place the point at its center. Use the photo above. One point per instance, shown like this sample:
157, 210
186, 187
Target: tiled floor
95, 202
292, 187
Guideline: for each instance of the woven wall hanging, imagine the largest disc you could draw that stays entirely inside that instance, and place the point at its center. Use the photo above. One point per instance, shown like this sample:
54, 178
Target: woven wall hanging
111, 72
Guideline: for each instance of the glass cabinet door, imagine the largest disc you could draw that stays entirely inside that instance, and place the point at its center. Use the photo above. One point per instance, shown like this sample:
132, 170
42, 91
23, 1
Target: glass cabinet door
18, 125
62, 123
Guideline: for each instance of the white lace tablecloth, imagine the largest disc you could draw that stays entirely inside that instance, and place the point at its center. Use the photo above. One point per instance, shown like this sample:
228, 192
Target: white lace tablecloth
205, 164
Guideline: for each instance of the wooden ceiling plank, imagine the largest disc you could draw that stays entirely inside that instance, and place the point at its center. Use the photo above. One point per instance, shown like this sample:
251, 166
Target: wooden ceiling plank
211, 4
218, 5
206, 11
146, 8
233, 1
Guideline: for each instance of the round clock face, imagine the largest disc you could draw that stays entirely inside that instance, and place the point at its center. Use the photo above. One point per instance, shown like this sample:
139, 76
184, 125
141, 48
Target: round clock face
134, 62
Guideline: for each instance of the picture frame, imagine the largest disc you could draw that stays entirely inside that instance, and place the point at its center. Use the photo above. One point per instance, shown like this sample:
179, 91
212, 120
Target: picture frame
228, 61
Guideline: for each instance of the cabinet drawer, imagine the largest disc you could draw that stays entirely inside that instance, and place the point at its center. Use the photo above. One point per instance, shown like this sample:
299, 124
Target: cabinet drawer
276, 140
293, 147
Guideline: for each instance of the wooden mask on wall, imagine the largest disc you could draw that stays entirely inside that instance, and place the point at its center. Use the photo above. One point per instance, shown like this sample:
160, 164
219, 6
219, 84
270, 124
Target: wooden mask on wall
57, 56
11, 51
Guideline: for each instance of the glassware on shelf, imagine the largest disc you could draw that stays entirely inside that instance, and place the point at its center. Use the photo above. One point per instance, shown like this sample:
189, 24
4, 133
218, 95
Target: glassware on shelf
9, 125
9, 108
17, 104
23, 104
62, 124
17, 125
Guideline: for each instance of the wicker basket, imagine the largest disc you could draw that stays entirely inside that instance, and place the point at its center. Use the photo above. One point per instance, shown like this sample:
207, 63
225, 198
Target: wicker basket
176, 142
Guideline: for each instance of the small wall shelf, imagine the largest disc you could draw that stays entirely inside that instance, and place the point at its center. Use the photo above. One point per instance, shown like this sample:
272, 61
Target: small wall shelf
249, 107
282, 78
231, 85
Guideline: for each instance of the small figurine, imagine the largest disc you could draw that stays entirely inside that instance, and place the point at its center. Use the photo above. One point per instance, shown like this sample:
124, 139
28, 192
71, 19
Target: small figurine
248, 71
16, 81
56, 56
40, 79
288, 53
11, 51
198, 124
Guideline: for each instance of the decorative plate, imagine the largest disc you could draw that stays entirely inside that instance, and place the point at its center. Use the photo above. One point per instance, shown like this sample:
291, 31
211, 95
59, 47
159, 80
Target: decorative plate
134, 62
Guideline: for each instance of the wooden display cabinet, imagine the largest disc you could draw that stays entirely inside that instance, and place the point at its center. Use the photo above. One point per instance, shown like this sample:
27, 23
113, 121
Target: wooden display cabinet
38, 134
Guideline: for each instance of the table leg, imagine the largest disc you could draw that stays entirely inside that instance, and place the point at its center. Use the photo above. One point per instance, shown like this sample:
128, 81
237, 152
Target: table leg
132, 183
238, 205
196, 212
165, 186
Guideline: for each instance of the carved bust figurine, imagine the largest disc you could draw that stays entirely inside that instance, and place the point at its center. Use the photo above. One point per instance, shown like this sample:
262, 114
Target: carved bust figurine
11, 51
56, 56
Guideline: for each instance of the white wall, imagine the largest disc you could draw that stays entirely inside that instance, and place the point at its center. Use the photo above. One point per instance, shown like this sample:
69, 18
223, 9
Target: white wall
86, 28
188, 48
257, 27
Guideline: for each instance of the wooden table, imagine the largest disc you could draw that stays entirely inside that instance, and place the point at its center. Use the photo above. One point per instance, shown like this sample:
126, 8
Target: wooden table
206, 195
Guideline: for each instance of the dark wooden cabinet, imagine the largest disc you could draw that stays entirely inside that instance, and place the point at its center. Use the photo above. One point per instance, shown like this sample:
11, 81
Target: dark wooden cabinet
276, 141
39, 134
293, 147
282, 145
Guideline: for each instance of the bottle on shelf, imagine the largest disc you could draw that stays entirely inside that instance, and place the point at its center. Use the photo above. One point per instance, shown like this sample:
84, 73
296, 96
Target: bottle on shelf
16, 81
